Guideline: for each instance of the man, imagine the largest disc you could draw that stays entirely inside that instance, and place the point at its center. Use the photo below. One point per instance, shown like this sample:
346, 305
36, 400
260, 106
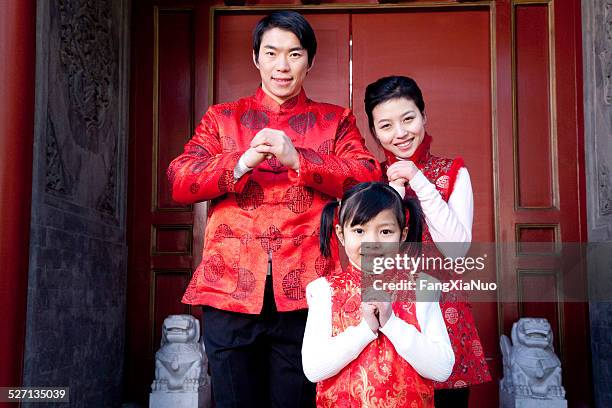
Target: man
268, 163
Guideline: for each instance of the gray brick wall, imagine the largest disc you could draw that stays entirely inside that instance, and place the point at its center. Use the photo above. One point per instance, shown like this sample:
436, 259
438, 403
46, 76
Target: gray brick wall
597, 60
601, 347
75, 328
76, 307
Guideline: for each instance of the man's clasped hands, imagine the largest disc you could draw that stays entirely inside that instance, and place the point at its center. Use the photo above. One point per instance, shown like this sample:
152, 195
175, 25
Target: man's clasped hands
272, 142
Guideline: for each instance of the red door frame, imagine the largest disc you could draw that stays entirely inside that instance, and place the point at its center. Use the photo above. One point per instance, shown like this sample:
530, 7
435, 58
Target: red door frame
17, 73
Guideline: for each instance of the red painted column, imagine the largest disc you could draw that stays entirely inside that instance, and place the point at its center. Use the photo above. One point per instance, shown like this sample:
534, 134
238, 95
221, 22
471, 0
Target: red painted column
17, 73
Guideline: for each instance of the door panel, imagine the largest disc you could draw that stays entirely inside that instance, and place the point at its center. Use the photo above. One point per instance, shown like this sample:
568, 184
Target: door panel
173, 101
533, 108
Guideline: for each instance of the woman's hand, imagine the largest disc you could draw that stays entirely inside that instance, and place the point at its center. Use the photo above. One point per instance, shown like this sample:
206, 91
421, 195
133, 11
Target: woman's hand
368, 313
384, 311
402, 171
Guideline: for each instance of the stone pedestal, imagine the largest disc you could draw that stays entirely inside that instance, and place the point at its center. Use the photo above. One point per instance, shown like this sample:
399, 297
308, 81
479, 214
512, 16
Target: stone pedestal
508, 400
167, 399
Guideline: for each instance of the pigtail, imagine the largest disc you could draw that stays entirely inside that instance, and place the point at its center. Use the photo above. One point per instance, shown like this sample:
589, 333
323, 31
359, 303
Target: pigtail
326, 228
415, 220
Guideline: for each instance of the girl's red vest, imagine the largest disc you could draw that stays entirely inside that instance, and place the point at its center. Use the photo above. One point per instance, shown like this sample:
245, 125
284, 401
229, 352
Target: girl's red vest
379, 377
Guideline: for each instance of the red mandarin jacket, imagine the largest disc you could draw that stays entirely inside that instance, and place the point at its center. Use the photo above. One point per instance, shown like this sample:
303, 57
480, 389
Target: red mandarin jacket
271, 212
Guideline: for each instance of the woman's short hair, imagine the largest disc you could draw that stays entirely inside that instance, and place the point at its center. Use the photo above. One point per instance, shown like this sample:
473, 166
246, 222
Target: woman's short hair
391, 87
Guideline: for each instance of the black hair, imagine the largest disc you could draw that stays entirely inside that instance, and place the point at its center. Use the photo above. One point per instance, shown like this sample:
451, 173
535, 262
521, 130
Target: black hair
291, 21
364, 202
391, 87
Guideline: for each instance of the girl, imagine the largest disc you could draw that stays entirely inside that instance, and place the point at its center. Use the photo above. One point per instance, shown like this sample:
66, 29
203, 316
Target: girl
371, 354
396, 116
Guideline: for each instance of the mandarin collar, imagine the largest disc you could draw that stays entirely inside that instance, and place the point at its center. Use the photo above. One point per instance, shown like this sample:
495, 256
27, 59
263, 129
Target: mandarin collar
297, 101
353, 270
419, 157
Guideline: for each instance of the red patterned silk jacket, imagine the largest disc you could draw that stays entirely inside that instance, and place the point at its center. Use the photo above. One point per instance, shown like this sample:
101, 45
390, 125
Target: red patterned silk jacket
271, 212
378, 377
470, 364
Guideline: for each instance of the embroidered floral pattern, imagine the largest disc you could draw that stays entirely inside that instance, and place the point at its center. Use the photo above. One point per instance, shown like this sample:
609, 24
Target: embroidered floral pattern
299, 199
292, 284
245, 284
214, 268
229, 145
223, 231
323, 265
271, 240
311, 156
254, 119
300, 123
252, 196
326, 147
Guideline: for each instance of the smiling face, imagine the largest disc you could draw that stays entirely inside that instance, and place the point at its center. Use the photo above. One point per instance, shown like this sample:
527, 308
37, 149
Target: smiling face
282, 64
399, 126
383, 228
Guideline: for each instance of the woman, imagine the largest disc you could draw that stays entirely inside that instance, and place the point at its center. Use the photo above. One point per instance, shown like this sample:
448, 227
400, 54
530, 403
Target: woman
396, 116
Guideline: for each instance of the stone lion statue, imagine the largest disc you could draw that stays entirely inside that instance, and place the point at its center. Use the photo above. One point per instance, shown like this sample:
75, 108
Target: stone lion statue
180, 363
531, 368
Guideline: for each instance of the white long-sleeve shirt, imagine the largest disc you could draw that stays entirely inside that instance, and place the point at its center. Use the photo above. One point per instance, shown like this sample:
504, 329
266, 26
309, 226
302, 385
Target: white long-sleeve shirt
447, 221
428, 351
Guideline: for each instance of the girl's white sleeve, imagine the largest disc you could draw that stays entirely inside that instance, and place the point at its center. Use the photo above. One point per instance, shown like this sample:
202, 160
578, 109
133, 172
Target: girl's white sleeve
323, 356
428, 351
447, 222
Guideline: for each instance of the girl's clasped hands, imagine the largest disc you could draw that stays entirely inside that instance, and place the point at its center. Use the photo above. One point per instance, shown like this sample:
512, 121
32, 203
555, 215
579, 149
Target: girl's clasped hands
376, 314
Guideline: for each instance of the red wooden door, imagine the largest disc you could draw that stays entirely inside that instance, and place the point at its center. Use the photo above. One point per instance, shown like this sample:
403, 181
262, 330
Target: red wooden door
501, 85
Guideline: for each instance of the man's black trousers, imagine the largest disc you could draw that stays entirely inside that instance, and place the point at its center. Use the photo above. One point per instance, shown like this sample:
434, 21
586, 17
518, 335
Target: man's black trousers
256, 360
